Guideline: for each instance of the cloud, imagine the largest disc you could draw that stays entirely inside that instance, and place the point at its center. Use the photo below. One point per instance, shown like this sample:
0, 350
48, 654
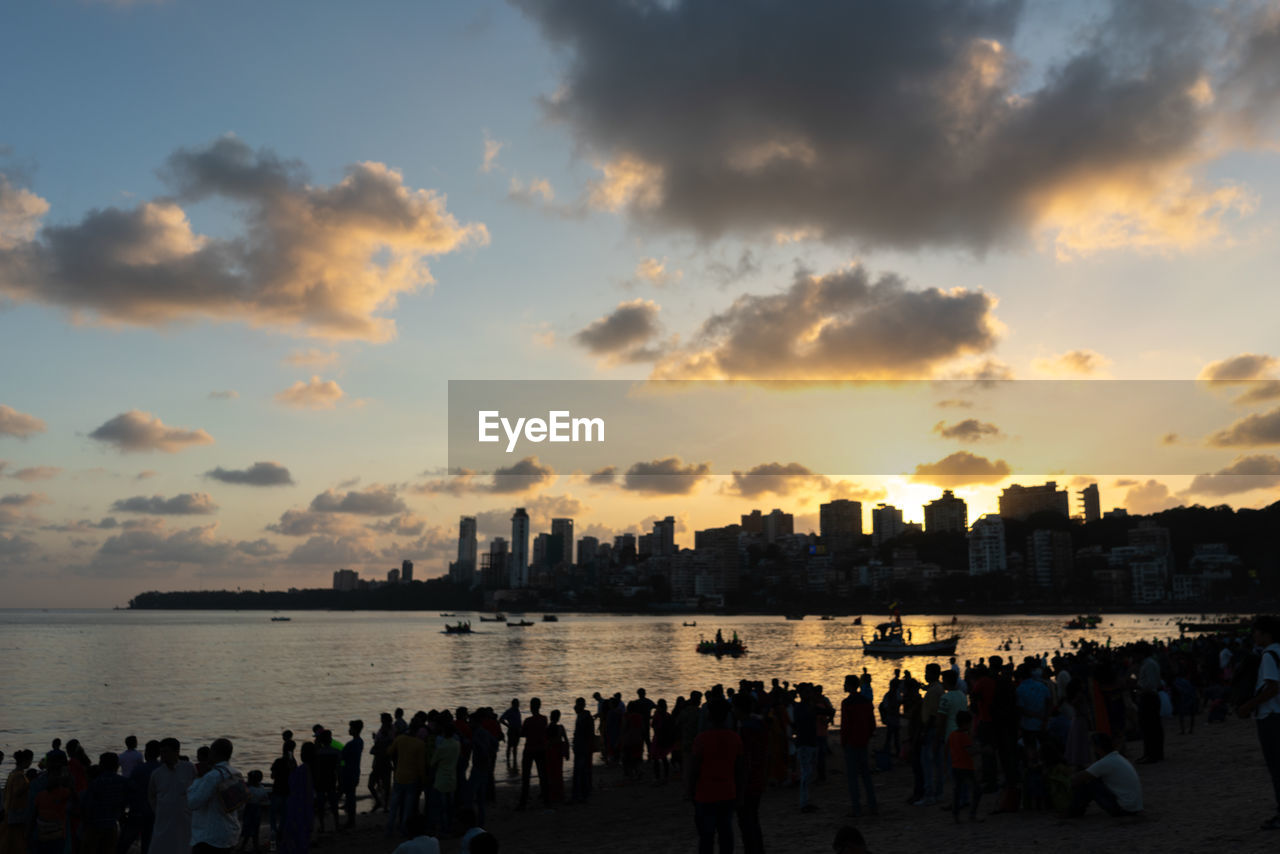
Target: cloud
605, 476
1150, 496
726, 274
1255, 471
776, 478
536, 191
1073, 363
371, 501
857, 492
910, 125
968, 430
315, 394
620, 335
541, 510
322, 261
311, 357
1241, 368
655, 272
19, 424
666, 476
186, 504
1258, 428
961, 468
228, 394
141, 431
83, 526
35, 473
157, 550
1169, 439
843, 325
15, 508
524, 476
491, 149
259, 474
404, 525
300, 523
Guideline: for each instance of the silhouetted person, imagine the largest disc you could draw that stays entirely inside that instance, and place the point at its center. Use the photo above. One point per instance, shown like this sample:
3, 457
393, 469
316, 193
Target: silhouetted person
534, 731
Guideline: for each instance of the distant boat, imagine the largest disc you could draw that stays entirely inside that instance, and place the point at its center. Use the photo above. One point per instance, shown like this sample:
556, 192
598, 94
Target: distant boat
690, 625
496, 618
795, 616
550, 618
459, 628
857, 621
518, 625
889, 641
448, 615
826, 617
1083, 622
281, 619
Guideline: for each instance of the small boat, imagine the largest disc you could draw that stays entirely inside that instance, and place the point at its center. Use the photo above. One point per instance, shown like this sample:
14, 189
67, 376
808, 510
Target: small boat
690, 625
732, 648
448, 615
857, 621
889, 641
496, 618
281, 619
1084, 621
550, 618
1231, 624
826, 617
518, 625
795, 616
459, 628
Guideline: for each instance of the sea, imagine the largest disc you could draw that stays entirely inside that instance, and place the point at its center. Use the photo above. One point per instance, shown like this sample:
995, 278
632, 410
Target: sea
199, 675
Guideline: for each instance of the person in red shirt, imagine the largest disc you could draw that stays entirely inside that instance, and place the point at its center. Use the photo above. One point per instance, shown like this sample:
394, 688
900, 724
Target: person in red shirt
717, 778
857, 723
534, 732
961, 748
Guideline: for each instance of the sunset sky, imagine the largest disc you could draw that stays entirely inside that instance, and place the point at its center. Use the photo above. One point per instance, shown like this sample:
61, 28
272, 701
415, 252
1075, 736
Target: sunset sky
245, 246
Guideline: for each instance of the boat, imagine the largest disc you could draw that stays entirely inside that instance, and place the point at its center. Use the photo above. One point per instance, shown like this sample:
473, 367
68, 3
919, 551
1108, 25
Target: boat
795, 616
690, 625
1084, 621
732, 648
448, 615
1228, 624
281, 619
857, 621
826, 617
518, 625
496, 618
889, 641
459, 628
550, 618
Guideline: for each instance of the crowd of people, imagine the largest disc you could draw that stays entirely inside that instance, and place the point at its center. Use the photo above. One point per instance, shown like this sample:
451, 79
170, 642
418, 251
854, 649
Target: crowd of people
1051, 732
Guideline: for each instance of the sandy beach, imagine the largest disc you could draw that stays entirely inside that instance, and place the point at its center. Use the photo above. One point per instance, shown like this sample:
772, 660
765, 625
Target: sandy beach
1210, 794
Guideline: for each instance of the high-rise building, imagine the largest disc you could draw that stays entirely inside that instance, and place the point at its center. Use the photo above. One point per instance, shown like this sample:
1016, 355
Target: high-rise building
1049, 558
467, 544
1021, 502
587, 548
947, 514
724, 567
518, 563
778, 524
886, 523
664, 537
563, 528
494, 572
840, 518
406, 571
393, 577
986, 546
539, 560
753, 522
345, 579
1091, 502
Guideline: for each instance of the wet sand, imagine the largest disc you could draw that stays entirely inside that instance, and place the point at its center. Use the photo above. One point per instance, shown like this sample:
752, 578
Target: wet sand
1210, 794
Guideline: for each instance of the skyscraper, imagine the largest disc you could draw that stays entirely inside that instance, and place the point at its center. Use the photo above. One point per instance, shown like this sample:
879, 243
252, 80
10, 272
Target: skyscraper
840, 518
406, 571
664, 537
1091, 502
946, 514
1021, 502
519, 560
986, 546
562, 528
463, 571
886, 523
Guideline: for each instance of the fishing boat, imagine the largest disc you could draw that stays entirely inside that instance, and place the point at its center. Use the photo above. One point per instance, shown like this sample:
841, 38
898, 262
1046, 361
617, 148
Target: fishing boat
690, 625
732, 648
496, 618
1084, 621
281, 619
857, 621
826, 617
448, 615
519, 624
459, 628
550, 618
889, 641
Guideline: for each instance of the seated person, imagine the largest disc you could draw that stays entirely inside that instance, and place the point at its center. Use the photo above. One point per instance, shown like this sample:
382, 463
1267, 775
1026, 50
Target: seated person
1111, 781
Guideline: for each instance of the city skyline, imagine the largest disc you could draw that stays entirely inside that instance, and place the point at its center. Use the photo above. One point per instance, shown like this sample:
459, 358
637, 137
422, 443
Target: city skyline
236, 277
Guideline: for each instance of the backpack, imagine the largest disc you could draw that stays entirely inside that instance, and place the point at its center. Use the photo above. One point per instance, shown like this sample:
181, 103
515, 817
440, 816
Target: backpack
232, 792
1245, 676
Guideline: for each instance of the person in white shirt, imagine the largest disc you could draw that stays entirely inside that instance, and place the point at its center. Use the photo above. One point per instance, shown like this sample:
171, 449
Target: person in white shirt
418, 842
212, 827
1265, 703
131, 757
1111, 782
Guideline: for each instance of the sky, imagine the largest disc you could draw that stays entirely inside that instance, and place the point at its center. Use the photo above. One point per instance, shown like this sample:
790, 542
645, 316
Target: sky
244, 248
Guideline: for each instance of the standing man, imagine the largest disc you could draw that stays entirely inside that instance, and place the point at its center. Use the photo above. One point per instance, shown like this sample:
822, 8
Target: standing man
857, 724
167, 794
511, 720
213, 829
410, 756
584, 736
349, 770
1265, 703
804, 726
534, 731
717, 777
137, 824
1149, 707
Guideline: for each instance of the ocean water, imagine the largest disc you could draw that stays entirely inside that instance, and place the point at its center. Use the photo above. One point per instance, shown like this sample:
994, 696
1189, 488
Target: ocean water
198, 675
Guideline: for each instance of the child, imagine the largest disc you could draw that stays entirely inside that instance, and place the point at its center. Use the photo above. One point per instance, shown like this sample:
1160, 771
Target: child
961, 749
251, 819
